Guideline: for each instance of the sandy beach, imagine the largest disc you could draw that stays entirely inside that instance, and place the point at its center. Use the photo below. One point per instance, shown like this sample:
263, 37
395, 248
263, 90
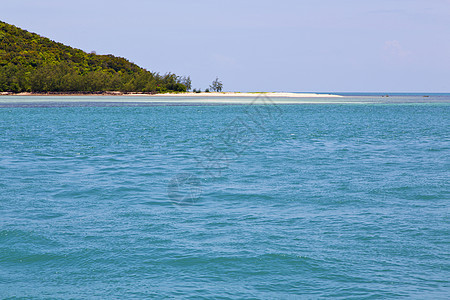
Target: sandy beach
238, 94
188, 94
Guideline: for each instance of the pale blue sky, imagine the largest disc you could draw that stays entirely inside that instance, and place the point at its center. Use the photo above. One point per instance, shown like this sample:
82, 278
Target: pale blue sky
283, 45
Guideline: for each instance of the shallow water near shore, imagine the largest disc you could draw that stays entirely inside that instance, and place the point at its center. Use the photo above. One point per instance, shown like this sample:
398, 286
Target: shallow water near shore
117, 199
181, 100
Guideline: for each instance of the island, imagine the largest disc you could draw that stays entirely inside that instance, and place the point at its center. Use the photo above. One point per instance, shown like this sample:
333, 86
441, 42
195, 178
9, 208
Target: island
30, 63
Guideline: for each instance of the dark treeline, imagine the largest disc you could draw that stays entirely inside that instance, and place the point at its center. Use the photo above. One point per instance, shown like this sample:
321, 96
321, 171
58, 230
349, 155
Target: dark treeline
31, 63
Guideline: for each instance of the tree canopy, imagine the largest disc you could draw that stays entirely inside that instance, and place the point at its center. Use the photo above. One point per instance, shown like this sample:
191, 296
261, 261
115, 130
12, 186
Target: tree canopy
216, 85
32, 63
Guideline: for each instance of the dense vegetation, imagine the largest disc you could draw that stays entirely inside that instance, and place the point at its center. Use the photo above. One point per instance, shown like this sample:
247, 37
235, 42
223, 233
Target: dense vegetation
31, 63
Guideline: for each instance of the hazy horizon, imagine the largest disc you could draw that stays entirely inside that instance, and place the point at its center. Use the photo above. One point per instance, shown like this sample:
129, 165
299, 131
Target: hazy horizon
295, 46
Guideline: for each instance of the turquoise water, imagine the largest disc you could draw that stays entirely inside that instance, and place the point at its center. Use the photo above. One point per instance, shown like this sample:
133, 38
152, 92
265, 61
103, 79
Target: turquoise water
240, 201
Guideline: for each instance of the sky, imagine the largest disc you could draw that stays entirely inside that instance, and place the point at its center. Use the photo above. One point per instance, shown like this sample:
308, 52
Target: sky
283, 45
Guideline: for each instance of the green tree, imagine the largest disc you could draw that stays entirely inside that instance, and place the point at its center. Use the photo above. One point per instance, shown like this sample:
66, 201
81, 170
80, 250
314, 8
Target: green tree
216, 85
186, 81
29, 62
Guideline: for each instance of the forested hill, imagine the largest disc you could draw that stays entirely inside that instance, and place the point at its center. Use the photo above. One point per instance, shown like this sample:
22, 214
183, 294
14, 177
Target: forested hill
32, 63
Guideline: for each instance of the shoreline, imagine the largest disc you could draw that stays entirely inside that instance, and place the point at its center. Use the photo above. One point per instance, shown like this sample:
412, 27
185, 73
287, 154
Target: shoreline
187, 94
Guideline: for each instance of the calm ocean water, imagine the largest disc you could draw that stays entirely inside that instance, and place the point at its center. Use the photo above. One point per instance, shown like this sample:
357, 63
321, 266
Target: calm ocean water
262, 201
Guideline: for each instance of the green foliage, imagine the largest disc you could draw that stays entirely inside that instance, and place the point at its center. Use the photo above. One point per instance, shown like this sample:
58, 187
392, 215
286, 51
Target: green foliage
31, 63
187, 82
216, 85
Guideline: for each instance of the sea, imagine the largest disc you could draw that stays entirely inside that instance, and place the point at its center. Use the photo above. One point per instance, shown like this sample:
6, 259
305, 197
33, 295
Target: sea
174, 198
